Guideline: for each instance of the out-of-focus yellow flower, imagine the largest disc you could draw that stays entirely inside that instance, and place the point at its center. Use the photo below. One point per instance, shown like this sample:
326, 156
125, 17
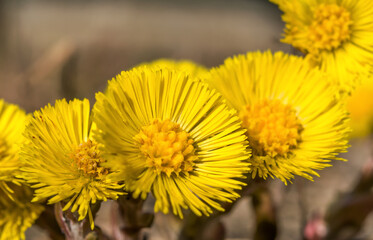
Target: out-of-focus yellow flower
360, 106
168, 133
63, 162
12, 124
336, 35
17, 213
195, 70
294, 124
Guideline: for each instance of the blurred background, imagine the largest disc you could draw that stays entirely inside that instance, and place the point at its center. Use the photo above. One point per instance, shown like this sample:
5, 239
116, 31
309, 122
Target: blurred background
54, 49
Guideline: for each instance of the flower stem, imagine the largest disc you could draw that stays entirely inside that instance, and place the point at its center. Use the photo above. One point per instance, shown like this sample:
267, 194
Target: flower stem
134, 218
195, 228
47, 221
74, 229
265, 213
198, 228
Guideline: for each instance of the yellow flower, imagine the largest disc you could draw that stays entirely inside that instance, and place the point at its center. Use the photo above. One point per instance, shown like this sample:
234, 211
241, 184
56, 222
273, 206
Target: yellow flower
190, 67
360, 106
16, 211
294, 123
335, 34
63, 162
12, 123
17, 214
169, 134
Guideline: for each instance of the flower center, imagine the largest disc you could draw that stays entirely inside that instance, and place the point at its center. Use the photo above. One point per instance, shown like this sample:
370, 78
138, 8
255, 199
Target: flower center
330, 26
167, 147
87, 158
273, 128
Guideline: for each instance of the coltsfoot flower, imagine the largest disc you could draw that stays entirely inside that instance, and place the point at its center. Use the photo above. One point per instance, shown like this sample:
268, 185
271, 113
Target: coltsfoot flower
336, 35
62, 160
360, 107
294, 124
17, 213
12, 124
194, 69
169, 134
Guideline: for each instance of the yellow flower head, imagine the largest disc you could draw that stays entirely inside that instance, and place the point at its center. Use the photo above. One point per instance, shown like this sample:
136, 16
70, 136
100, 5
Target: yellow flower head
360, 107
293, 122
17, 214
16, 211
62, 161
336, 35
168, 133
187, 66
12, 123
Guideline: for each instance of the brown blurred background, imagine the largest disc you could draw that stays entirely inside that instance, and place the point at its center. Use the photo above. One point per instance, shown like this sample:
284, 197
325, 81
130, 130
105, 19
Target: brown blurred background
87, 43
54, 49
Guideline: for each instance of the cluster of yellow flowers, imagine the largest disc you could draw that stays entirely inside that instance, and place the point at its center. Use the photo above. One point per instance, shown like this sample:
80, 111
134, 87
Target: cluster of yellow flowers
191, 136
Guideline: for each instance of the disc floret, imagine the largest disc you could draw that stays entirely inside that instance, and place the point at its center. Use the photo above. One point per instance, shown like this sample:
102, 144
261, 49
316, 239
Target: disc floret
88, 159
168, 149
273, 128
